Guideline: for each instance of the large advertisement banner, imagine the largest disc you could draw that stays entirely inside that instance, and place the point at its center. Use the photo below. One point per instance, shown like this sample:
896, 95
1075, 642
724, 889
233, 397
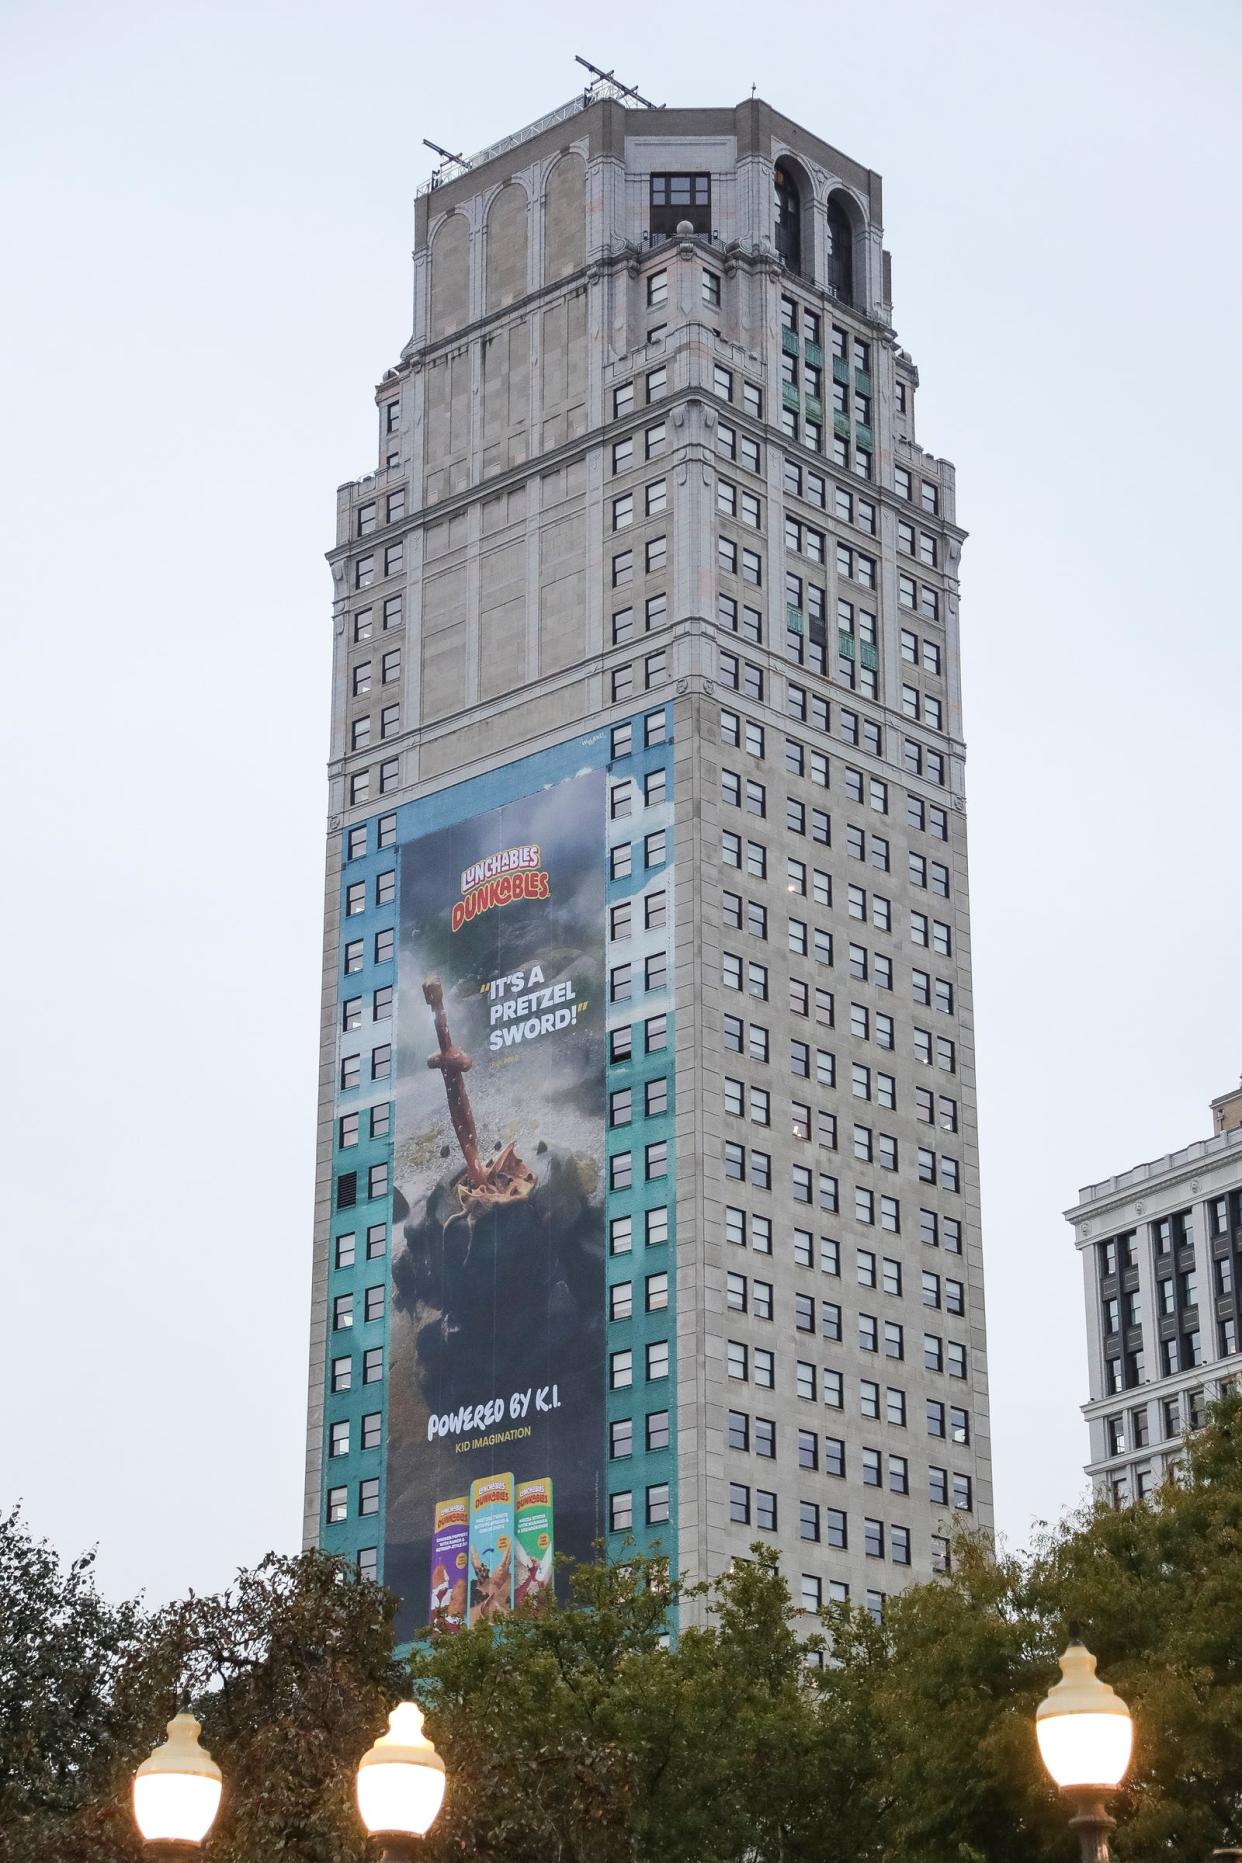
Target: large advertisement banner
496, 1337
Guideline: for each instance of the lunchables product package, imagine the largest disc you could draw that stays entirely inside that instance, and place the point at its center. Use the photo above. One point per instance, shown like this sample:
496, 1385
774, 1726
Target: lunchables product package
450, 1563
491, 1547
533, 1533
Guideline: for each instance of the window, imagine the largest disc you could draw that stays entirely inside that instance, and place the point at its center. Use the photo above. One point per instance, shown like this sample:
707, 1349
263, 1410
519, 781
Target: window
677, 197
657, 1503
620, 1512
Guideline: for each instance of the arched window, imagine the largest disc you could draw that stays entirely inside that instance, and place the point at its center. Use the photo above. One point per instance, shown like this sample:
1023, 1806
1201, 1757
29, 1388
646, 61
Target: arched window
840, 251
787, 203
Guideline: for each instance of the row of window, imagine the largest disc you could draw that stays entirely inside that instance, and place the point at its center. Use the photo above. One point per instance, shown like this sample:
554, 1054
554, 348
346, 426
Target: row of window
357, 838
1120, 1253
829, 1526
345, 1246
344, 1308
1121, 1437
362, 672
747, 1433
1124, 1371
391, 616
360, 727
751, 1364
378, 1184
654, 1097
622, 1044
654, 1161
356, 893
621, 977
378, 1118
754, 1296
745, 1228
621, 1364
341, 1369
369, 513
621, 1508
381, 1009
368, 1500
751, 916
387, 779
370, 1434
621, 1435
882, 1275
752, 856
862, 733
393, 557
383, 947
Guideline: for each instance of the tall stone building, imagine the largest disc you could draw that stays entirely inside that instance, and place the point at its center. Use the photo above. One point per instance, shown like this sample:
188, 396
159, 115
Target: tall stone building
648, 618
1161, 1249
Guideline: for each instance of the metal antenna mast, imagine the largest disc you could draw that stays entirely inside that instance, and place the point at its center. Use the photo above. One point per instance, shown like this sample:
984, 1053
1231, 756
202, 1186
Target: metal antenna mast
615, 87
448, 160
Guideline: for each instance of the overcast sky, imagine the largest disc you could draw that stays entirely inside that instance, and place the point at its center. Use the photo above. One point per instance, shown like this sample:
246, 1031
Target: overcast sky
207, 211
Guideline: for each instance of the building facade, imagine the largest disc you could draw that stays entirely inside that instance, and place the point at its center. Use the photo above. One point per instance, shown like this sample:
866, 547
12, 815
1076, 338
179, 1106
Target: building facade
651, 563
1160, 1249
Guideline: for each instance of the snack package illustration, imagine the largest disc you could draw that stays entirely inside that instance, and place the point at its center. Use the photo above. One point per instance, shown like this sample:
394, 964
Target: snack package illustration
491, 1547
450, 1563
534, 1547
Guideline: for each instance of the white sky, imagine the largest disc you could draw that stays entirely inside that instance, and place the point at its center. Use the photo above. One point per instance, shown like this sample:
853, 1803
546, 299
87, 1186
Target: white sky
208, 216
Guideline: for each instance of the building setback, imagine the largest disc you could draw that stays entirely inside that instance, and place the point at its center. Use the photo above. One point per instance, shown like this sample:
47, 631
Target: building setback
1160, 1252
646, 687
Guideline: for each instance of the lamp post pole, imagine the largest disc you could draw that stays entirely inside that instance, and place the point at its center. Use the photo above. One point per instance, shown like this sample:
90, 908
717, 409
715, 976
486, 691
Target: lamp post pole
1091, 1821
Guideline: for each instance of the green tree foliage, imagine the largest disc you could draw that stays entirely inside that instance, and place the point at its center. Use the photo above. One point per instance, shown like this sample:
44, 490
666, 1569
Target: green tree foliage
291, 1672
577, 1736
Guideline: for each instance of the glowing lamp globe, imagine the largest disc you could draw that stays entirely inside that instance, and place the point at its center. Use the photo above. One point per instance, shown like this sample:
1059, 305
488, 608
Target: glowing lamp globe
1083, 1727
177, 1788
401, 1778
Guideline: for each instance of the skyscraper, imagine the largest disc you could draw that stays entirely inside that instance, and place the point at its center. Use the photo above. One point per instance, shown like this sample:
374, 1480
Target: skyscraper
1161, 1249
647, 1195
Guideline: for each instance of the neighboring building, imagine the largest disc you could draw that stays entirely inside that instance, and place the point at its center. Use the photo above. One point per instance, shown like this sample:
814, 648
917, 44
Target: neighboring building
1160, 1249
646, 661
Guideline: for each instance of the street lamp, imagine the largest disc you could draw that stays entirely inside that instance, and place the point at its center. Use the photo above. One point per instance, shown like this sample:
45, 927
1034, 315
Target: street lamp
1085, 1734
176, 1792
400, 1784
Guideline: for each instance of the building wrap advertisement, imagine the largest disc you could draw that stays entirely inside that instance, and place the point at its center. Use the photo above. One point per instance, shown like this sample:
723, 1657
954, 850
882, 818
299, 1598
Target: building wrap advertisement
496, 1342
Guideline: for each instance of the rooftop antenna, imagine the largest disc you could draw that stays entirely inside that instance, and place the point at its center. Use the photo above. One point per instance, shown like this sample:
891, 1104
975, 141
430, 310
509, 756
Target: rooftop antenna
607, 84
447, 161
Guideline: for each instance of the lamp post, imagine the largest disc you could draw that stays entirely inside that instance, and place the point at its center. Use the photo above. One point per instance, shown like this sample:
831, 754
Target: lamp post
1085, 1734
177, 1793
400, 1784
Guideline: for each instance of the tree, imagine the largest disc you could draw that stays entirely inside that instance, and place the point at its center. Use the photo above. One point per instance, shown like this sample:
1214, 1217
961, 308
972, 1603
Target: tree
964, 1662
291, 1672
64, 1655
578, 1733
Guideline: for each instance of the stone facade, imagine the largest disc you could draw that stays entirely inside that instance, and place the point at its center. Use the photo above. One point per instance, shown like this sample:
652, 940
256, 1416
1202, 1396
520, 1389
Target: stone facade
1160, 1247
599, 489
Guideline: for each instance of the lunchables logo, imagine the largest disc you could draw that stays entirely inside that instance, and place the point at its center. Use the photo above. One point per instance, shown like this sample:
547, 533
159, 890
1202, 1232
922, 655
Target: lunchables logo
485, 1491
510, 874
451, 1514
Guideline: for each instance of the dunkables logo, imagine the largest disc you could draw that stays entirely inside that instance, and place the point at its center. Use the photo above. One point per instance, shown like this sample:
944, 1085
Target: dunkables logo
510, 874
451, 1514
490, 1491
